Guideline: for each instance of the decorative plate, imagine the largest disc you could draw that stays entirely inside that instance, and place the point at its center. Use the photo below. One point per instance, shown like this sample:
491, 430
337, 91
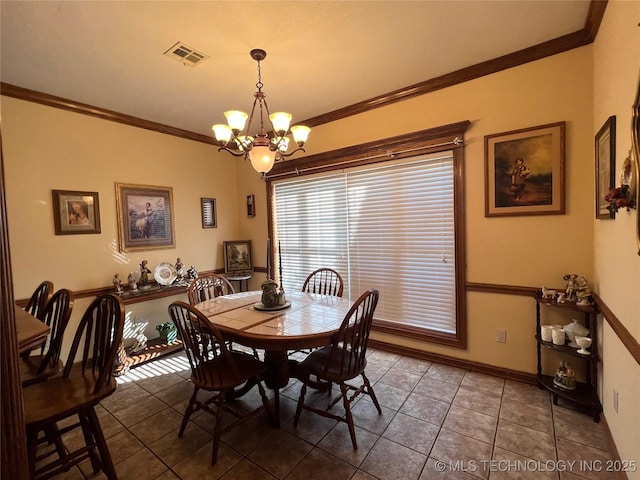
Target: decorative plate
264, 308
164, 273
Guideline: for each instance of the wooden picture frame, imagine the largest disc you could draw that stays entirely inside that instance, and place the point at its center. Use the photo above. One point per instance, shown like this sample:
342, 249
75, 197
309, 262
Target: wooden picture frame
145, 217
605, 166
237, 256
208, 208
75, 212
524, 171
251, 206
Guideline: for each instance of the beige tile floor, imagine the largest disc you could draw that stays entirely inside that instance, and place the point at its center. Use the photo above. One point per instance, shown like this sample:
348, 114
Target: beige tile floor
437, 422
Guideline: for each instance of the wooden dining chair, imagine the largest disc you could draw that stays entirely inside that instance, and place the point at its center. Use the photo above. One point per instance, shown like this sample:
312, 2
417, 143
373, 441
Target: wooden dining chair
77, 392
47, 363
216, 369
39, 298
324, 281
211, 286
341, 361
207, 287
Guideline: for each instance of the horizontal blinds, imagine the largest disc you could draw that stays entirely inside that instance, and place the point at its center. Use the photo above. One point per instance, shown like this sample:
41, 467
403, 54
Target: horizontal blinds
311, 225
389, 228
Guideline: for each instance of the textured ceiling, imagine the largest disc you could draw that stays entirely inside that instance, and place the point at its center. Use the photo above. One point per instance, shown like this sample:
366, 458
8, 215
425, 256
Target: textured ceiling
321, 56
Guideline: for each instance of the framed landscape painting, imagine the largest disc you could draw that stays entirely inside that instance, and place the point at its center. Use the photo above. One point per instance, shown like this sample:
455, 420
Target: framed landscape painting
237, 256
145, 217
75, 212
524, 171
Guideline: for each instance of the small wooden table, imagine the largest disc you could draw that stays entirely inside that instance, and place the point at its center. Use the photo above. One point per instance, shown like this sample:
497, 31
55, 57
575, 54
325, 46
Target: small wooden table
311, 321
31, 332
240, 279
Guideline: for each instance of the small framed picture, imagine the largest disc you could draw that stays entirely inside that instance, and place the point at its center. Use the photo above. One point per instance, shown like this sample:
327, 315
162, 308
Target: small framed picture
251, 206
208, 206
75, 212
237, 256
145, 217
524, 171
605, 154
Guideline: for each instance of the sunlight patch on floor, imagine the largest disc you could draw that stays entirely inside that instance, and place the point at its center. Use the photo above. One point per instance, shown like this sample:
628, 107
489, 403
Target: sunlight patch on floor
162, 366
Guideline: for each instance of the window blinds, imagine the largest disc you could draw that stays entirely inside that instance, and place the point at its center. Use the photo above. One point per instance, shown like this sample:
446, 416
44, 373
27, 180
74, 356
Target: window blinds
388, 227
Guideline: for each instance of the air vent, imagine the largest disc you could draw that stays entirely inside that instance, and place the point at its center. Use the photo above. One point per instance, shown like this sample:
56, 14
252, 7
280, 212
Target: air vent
186, 55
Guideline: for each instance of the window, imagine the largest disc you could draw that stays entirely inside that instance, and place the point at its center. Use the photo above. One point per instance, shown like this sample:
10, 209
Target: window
390, 225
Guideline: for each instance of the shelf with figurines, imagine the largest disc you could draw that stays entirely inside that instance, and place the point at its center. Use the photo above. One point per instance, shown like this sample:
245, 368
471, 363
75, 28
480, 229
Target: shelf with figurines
569, 340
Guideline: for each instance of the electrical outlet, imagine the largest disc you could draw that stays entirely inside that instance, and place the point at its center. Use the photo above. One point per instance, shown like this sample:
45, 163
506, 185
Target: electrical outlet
615, 400
501, 335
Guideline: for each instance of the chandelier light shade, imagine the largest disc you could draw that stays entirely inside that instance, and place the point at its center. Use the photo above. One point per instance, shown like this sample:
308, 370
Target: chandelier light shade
262, 148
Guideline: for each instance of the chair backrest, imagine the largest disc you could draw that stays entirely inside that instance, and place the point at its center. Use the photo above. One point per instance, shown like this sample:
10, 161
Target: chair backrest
39, 298
207, 287
324, 281
98, 338
348, 351
56, 314
203, 343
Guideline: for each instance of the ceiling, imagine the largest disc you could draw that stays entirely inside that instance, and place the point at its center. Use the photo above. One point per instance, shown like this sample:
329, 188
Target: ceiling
322, 56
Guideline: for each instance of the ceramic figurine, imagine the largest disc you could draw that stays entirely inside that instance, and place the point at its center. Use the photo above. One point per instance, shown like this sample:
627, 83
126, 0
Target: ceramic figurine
192, 273
117, 284
583, 293
133, 286
144, 278
179, 271
570, 290
565, 376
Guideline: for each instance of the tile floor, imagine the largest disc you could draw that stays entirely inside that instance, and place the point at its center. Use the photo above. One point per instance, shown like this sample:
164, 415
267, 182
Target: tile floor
437, 422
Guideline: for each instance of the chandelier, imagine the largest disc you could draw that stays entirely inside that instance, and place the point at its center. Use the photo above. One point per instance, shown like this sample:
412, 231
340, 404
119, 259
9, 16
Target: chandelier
263, 150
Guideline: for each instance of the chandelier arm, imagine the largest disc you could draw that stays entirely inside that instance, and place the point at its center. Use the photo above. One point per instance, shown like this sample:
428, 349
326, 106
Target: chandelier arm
232, 152
285, 155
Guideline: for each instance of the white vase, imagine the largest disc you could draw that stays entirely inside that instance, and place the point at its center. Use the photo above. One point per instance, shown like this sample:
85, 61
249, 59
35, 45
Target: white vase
573, 330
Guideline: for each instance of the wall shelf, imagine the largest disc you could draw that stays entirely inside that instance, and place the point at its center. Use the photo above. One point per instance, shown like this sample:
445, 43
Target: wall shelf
585, 393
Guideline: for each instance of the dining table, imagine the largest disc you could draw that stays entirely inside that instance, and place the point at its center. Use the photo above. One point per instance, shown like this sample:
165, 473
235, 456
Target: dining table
31, 331
305, 320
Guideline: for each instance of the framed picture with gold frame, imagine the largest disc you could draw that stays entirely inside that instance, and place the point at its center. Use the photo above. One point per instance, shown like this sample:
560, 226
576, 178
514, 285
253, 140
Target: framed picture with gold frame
145, 217
75, 212
524, 171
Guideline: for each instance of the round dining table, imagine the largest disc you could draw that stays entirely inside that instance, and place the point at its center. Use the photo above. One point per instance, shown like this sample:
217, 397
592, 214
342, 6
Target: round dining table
306, 320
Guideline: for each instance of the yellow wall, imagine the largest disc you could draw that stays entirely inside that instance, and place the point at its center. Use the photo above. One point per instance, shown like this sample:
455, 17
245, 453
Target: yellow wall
46, 148
616, 264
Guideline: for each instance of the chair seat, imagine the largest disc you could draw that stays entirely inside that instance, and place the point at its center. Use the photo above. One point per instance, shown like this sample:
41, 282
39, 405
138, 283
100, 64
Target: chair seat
29, 370
59, 397
319, 363
218, 374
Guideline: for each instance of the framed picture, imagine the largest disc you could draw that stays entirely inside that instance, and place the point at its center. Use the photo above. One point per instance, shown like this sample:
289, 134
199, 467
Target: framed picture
237, 256
251, 206
524, 171
605, 148
145, 217
75, 212
208, 206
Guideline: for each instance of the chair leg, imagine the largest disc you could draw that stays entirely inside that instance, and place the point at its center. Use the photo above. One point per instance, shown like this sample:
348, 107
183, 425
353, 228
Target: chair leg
89, 440
32, 448
370, 392
265, 401
217, 431
188, 411
347, 408
303, 391
105, 457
